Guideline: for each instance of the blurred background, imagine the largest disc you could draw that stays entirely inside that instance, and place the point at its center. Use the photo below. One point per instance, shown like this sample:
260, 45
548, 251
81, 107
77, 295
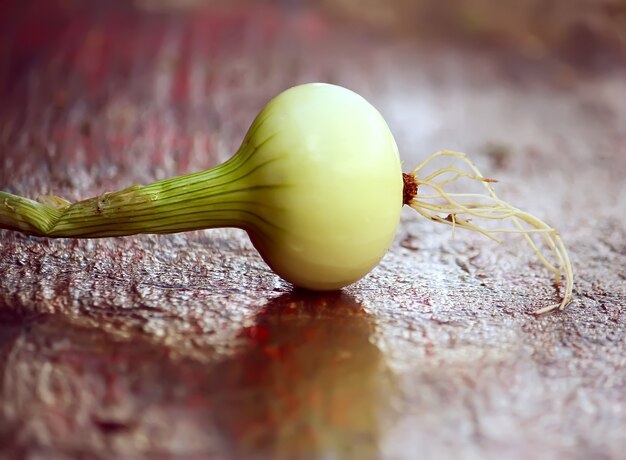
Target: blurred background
190, 69
188, 346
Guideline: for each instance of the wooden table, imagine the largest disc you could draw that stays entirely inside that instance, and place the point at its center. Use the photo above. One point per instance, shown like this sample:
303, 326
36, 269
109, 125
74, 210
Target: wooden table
188, 346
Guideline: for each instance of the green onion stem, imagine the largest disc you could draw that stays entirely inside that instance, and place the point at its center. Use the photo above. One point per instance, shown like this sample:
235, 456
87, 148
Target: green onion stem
208, 199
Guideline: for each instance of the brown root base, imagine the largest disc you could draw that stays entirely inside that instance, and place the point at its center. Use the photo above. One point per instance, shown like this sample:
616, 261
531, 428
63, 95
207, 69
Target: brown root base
410, 188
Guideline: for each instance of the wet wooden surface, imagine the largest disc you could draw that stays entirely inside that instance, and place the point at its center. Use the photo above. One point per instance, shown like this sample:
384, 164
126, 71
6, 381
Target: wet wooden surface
187, 346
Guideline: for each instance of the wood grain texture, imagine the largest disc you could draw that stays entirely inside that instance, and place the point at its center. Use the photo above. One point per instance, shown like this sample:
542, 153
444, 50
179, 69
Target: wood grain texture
188, 346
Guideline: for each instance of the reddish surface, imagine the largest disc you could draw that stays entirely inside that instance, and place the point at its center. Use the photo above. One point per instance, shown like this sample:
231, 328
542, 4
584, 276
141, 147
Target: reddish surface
189, 346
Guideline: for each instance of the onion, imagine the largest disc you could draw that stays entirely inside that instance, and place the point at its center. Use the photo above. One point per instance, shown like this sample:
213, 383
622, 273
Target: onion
317, 185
